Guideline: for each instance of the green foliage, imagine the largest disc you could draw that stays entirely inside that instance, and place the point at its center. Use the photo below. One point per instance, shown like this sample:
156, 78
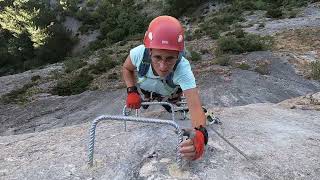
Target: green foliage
69, 6
223, 60
177, 8
19, 95
58, 45
315, 70
72, 64
243, 43
91, 3
220, 22
104, 64
113, 76
97, 44
117, 20
274, 12
18, 21
74, 84
35, 78
244, 66
263, 69
30, 36
223, 20
195, 56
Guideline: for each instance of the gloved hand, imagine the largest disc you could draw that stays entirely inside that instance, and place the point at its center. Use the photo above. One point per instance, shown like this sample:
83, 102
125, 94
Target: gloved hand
193, 147
198, 142
133, 100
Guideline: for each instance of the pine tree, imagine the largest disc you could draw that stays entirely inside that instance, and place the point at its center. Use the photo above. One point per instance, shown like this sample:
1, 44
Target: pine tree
19, 19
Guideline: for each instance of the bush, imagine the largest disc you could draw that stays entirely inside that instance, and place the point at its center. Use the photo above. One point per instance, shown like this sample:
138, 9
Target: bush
120, 20
178, 8
274, 12
18, 95
84, 28
98, 44
72, 64
263, 69
35, 78
74, 84
219, 22
223, 60
113, 76
195, 56
90, 3
229, 44
104, 64
244, 66
248, 43
315, 70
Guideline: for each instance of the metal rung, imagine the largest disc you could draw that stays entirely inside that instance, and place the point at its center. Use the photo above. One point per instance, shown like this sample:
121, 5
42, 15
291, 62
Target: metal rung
129, 118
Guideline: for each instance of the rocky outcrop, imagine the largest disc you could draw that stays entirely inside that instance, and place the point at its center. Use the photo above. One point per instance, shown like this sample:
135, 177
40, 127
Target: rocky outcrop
283, 144
239, 87
310, 17
307, 102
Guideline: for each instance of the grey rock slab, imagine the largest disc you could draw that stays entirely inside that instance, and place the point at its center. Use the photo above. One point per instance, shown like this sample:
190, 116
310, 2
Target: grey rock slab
247, 86
310, 17
15, 81
58, 111
285, 142
275, 26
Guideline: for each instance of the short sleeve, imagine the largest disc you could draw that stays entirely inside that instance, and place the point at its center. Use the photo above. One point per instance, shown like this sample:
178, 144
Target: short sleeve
136, 55
184, 75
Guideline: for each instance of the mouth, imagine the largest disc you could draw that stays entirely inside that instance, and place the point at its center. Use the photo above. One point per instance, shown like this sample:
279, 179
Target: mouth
163, 71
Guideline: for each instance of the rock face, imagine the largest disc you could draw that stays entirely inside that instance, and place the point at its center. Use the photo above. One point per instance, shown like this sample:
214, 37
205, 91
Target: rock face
48, 138
12, 82
309, 18
285, 144
307, 102
247, 86
54, 111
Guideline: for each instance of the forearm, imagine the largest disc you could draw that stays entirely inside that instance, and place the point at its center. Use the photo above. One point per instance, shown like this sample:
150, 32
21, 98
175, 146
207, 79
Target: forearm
195, 108
128, 77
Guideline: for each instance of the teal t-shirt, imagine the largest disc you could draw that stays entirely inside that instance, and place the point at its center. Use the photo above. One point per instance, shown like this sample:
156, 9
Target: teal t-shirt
183, 75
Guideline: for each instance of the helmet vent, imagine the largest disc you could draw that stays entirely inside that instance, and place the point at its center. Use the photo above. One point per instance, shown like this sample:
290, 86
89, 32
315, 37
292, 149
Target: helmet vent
150, 36
180, 38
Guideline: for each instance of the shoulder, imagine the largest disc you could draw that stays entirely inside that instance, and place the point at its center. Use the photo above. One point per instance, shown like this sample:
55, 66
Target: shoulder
136, 54
183, 66
183, 75
138, 49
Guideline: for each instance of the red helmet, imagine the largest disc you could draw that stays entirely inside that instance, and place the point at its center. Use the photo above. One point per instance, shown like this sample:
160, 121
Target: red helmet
164, 32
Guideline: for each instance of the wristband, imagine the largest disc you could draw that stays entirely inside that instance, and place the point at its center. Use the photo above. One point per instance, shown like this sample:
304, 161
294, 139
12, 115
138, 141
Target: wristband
132, 89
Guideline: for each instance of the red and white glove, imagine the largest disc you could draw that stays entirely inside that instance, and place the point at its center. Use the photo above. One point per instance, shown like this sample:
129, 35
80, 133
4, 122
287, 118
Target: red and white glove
133, 98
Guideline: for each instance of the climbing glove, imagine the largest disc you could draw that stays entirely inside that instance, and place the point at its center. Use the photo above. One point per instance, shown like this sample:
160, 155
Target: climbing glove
133, 98
199, 137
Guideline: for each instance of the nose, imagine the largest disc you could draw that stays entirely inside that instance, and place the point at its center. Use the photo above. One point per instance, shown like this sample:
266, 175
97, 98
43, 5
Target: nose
163, 66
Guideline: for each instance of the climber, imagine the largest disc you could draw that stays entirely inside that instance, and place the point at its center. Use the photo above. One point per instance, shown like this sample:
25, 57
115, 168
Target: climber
163, 74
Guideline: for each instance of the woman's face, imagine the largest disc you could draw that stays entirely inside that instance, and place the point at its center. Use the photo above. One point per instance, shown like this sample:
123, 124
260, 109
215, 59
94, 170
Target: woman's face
163, 61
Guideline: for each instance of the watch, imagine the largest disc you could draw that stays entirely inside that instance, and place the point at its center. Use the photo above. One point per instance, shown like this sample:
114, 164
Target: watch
132, 89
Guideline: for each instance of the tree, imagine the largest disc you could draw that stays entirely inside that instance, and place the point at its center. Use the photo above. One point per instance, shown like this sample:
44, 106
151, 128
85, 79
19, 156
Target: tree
18, 20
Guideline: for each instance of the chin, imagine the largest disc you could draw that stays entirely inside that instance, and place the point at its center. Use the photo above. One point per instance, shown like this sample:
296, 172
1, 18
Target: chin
163, 74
